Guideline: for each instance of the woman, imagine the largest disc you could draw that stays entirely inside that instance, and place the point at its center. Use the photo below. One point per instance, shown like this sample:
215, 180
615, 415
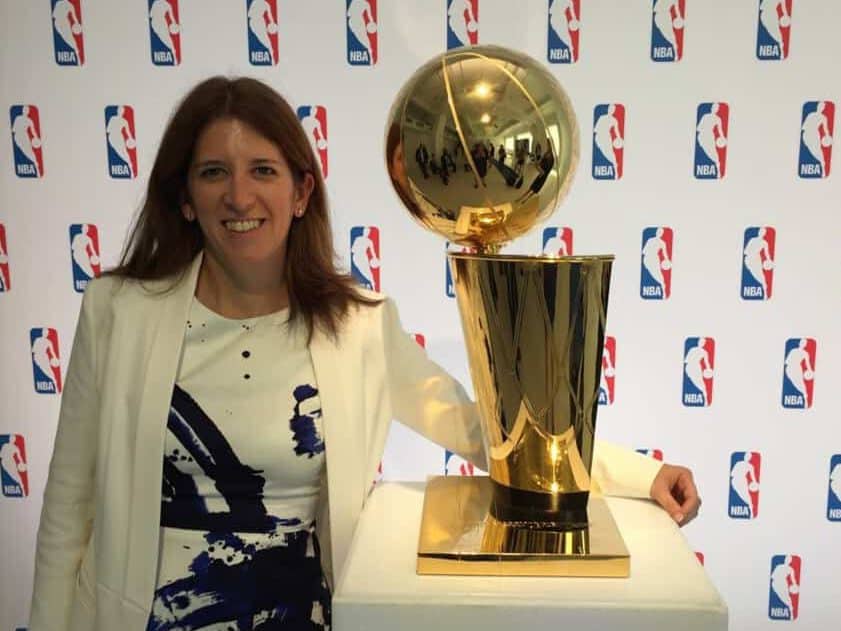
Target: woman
211, 373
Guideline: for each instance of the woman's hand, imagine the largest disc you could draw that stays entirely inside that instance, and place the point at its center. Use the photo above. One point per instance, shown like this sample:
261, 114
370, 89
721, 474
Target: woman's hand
674, 489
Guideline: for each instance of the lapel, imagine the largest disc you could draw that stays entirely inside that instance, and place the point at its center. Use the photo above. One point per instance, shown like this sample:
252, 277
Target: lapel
164, 320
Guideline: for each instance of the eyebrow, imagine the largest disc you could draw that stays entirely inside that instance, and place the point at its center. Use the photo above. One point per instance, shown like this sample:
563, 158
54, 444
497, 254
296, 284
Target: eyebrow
216, 162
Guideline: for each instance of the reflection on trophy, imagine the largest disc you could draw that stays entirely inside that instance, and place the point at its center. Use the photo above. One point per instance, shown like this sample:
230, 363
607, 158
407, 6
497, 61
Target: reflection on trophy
481, 144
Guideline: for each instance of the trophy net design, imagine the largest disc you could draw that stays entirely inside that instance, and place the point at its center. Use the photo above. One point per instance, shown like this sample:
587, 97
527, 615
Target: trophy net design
481, 144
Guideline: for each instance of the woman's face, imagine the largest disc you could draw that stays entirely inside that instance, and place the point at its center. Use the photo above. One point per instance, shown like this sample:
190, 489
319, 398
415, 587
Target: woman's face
242, 193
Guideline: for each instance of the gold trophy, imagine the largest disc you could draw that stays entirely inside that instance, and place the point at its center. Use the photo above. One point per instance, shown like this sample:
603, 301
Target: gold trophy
481, 144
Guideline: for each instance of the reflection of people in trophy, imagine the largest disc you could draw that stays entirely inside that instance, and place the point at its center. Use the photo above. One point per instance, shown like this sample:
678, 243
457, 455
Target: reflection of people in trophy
422, 158
711, 136
655, 258
544, 168
262, 24
608, 136
460, 24
816, 135
364, 256
758, 258
45, 356
798, 367
67, 24
12, 462
563, 20
164, 25
773, 16
698, 367
608, 372
784, 582
743, 480
26, 137
666, 24
835, 481
360, 20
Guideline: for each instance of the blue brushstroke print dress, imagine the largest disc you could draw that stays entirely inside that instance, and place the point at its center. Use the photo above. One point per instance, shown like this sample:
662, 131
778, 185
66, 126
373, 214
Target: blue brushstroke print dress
242, 466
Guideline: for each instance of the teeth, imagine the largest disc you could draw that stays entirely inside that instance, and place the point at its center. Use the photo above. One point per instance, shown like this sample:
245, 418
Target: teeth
243, 226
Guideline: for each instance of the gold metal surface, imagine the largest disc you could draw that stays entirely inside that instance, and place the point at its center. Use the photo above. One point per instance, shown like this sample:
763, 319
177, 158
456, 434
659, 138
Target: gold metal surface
458, 536
443, 140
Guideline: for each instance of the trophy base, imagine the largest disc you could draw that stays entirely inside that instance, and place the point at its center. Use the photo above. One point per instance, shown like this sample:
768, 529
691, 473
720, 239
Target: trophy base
460, 537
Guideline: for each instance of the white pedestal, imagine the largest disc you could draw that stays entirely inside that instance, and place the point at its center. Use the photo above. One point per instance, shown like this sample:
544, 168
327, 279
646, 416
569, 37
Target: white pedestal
380, 591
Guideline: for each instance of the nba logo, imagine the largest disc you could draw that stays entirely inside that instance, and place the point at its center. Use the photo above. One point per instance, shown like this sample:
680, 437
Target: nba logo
656, 266
5, 277
120, 142
833, 502
26, 141
784, 593
799, 373
314, 121
84, 254
365, 256
758, 254
362, 32
68, 38
456, 465
711, 129
608, 141
262, 32
564, 24
13, 465
667, 23
607, 379
744, 484
420, 340
165, 32
698, 367
657, 454
817, 124
557, 241
462, 23
773, 29
449, 286
46, 362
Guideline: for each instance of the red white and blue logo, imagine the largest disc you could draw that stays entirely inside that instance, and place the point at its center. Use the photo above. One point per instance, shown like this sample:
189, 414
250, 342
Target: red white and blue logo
362, 46
365, 256
759, 251
456, 465
13, 467
657, 454
608, 141
656, 263
26, 141
557, 241
698, 371
462, 23
743, 502
121, 142
68, 35
564, 30
84, 254
165, 32
799, 373
46, 361
773, 30
817, 124
262, 32
711, 133
314, 121
833, 502
420, 340
5, 274
607, 378
668, 21
784, 592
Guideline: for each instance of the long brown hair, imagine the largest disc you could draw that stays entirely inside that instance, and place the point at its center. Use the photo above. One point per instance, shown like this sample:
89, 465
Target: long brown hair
162, 243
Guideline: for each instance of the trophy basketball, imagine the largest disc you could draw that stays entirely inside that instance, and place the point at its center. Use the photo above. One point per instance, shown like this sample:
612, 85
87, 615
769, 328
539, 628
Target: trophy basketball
481, 144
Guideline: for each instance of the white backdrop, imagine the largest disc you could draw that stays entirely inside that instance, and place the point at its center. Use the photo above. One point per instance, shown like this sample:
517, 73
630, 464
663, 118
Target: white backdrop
619, 53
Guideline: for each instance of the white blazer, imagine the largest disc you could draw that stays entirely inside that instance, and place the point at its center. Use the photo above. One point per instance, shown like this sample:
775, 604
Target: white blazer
97, 550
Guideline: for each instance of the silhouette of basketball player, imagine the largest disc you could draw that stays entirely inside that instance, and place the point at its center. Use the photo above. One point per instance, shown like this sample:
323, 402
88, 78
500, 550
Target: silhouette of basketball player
555, 245
119, 136
12, 462
666, 24
162, 19
608, 137
26, 137
364, 257
67, 24
563, 20
798, 367
698, 368
711, 136
784, 582
262, 24
361, 22
655, 258
758, 258
45, 356
815, 134
83, 251
743, 480
772, 15
459, 24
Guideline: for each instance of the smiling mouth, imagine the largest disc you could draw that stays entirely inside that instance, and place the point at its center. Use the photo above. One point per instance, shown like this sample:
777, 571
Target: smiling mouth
242, 225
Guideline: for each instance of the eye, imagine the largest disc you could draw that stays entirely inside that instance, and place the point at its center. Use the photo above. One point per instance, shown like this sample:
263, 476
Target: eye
265, 169
211, 172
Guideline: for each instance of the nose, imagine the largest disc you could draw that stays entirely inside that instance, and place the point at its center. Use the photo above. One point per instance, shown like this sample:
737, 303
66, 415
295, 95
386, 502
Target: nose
240, 195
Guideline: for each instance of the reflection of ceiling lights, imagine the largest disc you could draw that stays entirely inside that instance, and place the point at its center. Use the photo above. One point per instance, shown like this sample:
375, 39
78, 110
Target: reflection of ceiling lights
482, 90
486, 118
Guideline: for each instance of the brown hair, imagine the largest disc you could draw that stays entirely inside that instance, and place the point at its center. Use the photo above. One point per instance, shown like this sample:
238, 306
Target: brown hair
162, 243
